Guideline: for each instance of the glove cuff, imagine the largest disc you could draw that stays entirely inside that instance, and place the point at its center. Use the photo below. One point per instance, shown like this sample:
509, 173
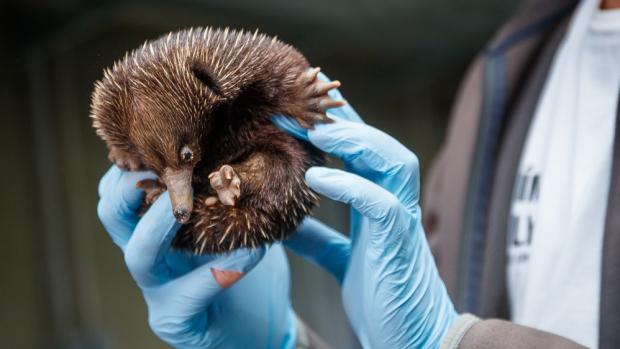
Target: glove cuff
457, 331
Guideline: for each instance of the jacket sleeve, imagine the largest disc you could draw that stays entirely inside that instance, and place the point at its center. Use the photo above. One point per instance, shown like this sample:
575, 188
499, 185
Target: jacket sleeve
470, 332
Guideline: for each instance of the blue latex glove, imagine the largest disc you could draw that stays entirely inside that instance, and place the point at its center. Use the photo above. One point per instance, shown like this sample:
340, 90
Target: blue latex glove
391, 289
188, 306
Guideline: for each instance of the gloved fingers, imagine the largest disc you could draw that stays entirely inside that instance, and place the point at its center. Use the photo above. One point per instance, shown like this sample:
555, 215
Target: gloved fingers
119, 201
373, 154
108, 180
321, 245
151, 240
372, 201
199, 286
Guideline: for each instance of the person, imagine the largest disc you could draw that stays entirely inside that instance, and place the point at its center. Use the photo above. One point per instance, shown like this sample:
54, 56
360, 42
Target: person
519, 211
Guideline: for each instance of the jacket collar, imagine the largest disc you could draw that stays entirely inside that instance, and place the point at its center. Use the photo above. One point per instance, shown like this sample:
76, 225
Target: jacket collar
533, 17
508, 67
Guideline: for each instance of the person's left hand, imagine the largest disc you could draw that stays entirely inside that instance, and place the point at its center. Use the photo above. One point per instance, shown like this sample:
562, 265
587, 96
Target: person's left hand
236, 300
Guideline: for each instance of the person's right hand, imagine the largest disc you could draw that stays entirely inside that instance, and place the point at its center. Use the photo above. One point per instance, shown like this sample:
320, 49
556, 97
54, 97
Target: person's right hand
391, 289
234, 300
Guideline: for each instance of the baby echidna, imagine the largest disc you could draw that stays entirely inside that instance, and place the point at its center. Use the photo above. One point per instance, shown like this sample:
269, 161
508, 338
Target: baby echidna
195, 107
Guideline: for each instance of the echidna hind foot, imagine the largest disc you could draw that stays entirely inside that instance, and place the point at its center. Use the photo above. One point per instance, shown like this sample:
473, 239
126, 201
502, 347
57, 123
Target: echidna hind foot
316, 98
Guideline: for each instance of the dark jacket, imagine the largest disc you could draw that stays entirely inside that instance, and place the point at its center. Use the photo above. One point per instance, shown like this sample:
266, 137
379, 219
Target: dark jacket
467, 194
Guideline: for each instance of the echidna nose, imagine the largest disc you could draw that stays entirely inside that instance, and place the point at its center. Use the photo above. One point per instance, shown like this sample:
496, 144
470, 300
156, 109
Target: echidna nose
181, 215
179, 184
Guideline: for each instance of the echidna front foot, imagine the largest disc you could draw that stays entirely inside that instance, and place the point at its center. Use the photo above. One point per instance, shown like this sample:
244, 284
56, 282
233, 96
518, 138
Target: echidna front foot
316, 99
153, 188
124, 160
227, 183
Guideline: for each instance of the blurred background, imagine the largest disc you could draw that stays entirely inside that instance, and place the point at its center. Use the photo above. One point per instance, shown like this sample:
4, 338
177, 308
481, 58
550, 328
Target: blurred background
63, 283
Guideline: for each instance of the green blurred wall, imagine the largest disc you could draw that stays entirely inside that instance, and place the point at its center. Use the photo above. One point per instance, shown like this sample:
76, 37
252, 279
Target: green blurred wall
63, 282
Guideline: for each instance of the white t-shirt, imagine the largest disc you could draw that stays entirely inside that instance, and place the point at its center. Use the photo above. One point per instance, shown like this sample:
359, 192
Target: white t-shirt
555, 234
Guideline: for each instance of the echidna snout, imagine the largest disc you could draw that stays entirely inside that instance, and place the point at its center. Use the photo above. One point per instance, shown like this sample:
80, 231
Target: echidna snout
179, 184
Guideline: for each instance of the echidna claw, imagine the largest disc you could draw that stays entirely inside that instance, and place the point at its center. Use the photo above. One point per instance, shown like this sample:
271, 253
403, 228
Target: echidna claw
211, 200
316, 98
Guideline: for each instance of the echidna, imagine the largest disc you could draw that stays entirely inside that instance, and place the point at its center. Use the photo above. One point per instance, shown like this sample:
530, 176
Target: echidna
195, 107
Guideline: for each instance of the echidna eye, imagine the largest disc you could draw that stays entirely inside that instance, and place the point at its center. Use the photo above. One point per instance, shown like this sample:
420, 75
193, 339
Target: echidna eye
186, 154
